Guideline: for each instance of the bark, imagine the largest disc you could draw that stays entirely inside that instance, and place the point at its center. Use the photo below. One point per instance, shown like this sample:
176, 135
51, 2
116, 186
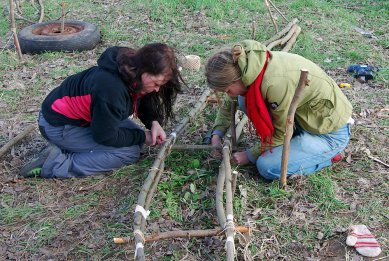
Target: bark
180, 234
292, 40
271, 15
13, 29
290, 123
278, 10
282, 32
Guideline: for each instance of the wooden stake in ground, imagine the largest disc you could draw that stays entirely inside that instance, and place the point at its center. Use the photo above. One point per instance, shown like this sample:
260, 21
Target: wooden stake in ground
290, 123
13, 29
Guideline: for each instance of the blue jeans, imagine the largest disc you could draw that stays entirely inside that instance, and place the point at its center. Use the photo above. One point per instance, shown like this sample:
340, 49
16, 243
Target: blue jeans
79, 155
308, 152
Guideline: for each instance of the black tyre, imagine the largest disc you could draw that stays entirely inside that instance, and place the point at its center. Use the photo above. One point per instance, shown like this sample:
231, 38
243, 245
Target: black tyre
47, 36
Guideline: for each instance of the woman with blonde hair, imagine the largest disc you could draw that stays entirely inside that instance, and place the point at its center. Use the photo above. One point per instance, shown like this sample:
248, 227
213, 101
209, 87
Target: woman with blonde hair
263, 83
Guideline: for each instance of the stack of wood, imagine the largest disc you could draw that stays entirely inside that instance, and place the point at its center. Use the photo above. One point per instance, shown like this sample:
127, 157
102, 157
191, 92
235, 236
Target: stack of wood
286, 37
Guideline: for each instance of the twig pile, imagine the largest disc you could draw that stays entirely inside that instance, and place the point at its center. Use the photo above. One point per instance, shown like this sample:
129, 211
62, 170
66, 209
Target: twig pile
286, 37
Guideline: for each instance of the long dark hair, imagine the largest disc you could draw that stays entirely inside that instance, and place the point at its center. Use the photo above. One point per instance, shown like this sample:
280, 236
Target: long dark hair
155, 58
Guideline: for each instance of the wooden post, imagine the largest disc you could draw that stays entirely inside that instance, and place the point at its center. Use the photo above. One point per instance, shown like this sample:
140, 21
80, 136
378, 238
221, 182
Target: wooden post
289, 125
13, 29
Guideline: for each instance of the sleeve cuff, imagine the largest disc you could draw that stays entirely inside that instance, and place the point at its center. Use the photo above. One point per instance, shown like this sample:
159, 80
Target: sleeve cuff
218, 133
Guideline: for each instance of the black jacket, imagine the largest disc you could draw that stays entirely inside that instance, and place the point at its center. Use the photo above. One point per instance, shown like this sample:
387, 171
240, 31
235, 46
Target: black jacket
99, 99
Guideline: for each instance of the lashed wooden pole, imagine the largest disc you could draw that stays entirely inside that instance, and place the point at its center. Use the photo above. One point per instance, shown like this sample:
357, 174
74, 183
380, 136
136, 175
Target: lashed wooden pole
149, 186
227, 181
290, 124
180, 234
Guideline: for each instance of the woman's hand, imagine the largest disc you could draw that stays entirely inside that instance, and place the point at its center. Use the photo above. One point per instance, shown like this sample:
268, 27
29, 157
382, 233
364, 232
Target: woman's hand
148, 139
240, 158
216, 143
157, 134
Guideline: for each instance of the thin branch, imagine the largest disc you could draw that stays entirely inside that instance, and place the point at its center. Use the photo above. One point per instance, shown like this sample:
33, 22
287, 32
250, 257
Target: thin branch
275, 7
13, 29
289, 125
42, 11
271, 15
180, 234
63, 17
253, 29
15, 140
379, 161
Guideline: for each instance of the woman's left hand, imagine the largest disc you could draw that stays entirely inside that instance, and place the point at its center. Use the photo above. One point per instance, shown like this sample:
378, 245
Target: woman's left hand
158, 135
240, 158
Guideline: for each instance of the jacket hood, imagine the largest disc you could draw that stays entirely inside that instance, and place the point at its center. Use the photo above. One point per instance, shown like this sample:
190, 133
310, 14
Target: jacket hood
251, 59
107, 60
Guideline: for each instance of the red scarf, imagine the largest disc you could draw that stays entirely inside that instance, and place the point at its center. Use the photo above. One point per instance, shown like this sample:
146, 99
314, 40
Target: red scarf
258, 113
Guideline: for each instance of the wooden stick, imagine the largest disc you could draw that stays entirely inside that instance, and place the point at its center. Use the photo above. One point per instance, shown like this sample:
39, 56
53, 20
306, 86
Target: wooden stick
42, 11
13, 29
234, 178
15, 140
253, 29
289, 35
181, 234
229, 225
275, 7
63, 18
271, 15
292, 40
290, 123
148, 188
153, 188
379, 161
282, 32
221, 178
233, 130
284, 39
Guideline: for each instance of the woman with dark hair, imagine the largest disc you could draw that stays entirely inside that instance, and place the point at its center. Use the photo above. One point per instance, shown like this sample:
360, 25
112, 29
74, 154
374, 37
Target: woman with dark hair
264, 82
86, 119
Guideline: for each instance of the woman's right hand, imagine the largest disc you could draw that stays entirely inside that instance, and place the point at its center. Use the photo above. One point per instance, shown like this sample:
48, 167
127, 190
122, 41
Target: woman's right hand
216, 144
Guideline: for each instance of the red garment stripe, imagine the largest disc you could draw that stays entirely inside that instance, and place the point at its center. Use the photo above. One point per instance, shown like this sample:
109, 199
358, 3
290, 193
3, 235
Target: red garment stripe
367, 244
362, 235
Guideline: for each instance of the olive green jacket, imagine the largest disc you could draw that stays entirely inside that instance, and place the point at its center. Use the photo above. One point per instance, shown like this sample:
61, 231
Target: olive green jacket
322, 107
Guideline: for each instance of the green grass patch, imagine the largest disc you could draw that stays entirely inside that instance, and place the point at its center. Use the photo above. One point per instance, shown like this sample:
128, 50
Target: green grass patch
322, 192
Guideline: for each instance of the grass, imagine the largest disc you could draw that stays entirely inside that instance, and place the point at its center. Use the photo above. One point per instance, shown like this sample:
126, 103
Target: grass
80, 217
